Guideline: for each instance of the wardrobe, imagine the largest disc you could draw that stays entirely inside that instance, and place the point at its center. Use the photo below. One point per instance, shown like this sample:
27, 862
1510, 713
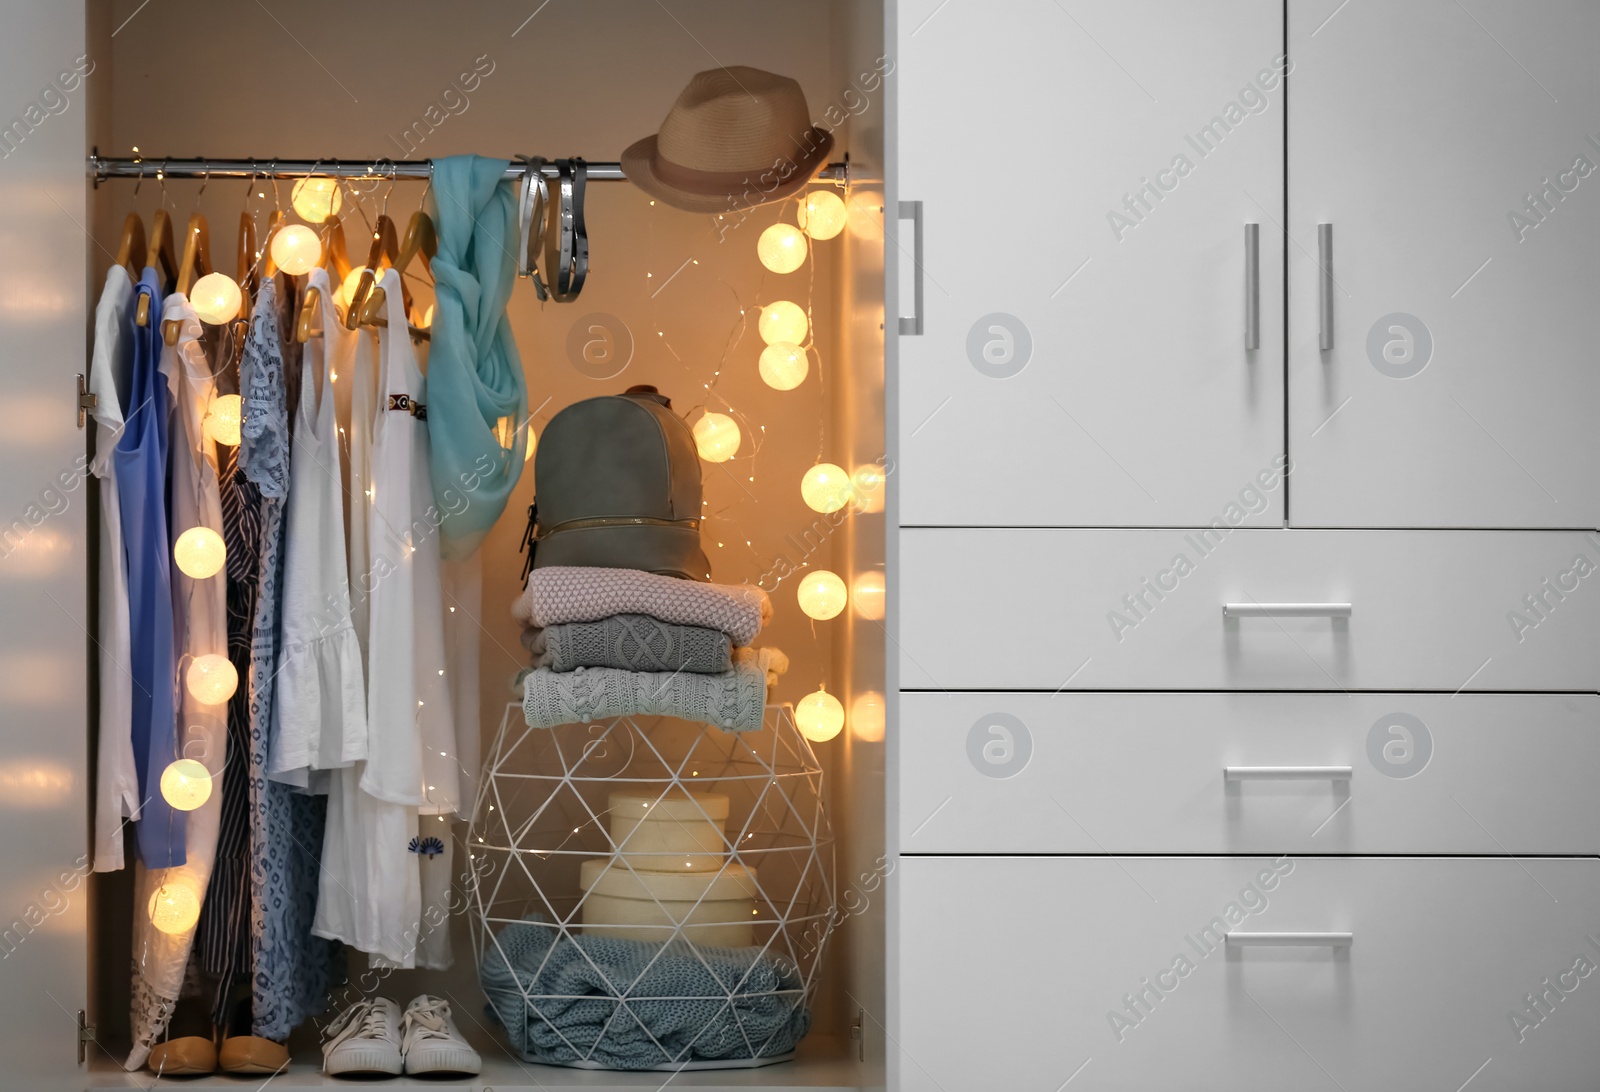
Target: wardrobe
296, 79
1244, 553
1231, 367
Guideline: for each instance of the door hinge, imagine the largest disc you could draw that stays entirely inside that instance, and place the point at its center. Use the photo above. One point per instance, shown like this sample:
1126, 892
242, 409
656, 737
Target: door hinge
86, 1032
858, 1033
86, 400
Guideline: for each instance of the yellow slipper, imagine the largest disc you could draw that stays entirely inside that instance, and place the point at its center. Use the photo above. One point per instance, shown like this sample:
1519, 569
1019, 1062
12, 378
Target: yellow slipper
189, 1056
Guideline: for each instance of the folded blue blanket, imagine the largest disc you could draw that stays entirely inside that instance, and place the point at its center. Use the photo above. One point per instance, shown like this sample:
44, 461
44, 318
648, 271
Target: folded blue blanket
675, 1006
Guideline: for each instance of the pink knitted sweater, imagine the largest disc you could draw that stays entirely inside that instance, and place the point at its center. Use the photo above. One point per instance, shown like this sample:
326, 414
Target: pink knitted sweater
566, 593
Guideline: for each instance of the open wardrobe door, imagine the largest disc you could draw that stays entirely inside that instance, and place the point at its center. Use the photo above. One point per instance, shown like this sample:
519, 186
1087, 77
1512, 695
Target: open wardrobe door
45, 495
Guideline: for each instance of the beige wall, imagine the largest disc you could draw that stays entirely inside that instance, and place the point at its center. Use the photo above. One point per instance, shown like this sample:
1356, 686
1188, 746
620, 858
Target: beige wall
297, 78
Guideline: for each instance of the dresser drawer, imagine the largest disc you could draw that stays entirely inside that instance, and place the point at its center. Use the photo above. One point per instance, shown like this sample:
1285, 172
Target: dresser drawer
1249, 773
1043, 609
1018, 973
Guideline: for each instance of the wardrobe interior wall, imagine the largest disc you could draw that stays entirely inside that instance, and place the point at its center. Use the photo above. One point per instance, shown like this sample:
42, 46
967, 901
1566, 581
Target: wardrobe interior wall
305, 79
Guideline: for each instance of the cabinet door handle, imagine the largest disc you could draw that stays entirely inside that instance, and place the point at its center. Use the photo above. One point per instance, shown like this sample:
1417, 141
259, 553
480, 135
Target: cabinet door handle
1325, 286
912, 210
1291, 940
1286, 610
1287, 773
1252, 286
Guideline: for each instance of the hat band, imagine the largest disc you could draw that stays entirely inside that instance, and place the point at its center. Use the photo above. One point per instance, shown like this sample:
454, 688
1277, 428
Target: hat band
718, 182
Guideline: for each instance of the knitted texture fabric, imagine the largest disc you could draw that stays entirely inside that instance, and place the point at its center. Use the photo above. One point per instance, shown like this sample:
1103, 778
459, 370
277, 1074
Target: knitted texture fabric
559, 996
568, 593
734, 700
633, 642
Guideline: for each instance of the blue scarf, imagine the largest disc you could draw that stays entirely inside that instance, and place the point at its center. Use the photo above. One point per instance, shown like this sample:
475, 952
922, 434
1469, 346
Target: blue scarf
476, 391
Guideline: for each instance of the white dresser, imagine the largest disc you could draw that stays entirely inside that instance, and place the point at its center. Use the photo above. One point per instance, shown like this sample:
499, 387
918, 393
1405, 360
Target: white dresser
1246, 581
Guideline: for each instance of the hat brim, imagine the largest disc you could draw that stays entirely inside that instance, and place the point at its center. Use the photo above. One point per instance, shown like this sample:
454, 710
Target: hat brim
639, 165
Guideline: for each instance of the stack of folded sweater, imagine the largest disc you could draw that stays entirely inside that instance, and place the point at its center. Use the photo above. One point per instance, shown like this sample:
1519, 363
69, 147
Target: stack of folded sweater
619, 642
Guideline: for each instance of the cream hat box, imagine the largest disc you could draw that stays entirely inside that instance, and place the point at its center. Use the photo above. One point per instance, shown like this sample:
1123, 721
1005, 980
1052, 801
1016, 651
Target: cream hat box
678, 832
714, 910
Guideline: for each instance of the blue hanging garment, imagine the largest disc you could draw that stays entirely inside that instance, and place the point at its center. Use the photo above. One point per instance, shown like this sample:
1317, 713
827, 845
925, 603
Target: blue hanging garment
140, 464
476, 391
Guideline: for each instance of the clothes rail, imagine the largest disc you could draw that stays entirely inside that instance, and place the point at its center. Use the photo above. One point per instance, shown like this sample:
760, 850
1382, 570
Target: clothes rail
102, 168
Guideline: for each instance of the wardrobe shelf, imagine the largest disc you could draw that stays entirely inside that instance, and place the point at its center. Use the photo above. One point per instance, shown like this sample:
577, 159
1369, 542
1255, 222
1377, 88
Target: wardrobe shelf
823, 1064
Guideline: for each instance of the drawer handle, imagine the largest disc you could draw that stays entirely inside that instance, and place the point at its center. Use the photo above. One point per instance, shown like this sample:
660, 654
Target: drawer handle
1325, 287
1292, 940
1286, 773
1252, 286
912, 325
1286, 610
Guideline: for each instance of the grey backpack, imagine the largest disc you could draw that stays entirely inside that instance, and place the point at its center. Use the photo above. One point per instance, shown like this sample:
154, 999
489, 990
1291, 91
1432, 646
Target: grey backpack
617, 485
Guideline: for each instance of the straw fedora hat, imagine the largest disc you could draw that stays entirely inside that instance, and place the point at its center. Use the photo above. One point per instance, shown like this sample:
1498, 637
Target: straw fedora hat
736, 137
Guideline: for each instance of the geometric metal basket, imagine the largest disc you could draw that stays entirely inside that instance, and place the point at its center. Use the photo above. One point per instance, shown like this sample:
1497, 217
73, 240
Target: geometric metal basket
577, 994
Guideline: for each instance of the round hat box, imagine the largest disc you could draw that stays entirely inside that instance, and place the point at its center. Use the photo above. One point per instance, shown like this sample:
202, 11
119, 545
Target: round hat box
714, 910
678, 831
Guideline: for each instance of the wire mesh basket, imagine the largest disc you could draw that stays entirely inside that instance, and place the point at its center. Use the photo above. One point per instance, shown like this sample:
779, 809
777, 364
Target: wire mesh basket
651, 893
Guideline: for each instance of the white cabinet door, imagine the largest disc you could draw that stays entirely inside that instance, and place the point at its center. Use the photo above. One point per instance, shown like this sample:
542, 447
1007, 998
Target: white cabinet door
1454, 148
1216, 609
1049, 972
1007, 772
1086, 170
44, 495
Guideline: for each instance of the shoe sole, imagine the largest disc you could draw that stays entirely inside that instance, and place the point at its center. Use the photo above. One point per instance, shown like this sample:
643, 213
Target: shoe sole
348, 1062
464, 1061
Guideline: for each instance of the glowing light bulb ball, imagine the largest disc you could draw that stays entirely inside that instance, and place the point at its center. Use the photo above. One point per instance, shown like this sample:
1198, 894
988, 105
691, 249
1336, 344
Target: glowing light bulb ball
716, 435
821, 595
867, 592
186, 784
826, 488
819, 716
174, 908
211, 679
316, 199
199, 553
868, 717
821, 214
784, 366
296, 249
782, 248
216, 298
347, 287
783, 321
533, 444
223, 419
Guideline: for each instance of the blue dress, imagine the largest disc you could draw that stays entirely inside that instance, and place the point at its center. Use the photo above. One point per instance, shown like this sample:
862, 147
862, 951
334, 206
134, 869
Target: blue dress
140, 464
294, 970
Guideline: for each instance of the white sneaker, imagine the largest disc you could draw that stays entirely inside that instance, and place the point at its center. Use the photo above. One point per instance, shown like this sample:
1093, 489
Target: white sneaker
364, 1039
430, 1041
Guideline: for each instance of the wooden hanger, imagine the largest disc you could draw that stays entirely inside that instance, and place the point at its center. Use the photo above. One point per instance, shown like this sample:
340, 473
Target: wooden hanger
382, 253
274, 222
335, 251
161, 252
196, 264
420, 239
196, 252
310, 308
133, 245
249, 277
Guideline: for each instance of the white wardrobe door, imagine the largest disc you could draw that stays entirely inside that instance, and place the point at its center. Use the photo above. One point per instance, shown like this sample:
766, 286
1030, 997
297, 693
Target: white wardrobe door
1461, 388
44, 495
1086, 171
1050, 972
